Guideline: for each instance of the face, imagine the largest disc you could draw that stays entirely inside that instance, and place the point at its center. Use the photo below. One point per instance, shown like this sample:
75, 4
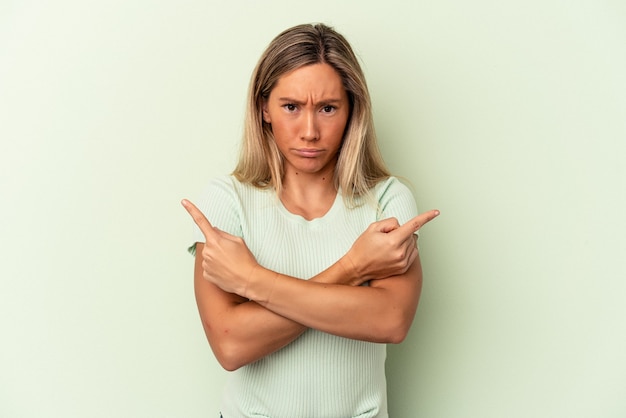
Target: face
308, 110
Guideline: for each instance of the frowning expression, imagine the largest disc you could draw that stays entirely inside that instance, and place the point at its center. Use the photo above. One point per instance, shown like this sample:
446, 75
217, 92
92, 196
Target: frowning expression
308, 109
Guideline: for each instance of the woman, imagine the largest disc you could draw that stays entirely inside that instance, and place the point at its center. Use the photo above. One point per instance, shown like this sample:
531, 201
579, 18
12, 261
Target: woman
303, 272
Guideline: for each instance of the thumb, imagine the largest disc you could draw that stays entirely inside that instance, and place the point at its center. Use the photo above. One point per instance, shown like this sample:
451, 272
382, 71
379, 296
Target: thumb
387, 225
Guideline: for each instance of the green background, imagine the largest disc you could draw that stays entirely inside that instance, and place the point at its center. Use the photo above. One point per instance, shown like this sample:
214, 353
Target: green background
508, 116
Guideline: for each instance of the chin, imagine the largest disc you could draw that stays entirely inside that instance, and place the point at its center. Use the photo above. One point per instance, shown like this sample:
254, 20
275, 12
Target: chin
309, 169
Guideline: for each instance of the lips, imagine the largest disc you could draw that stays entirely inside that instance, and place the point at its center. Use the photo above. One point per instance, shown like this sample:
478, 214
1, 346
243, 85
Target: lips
308, 152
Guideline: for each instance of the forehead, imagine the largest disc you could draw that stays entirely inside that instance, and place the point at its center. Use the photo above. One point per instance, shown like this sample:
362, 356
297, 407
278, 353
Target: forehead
317, 80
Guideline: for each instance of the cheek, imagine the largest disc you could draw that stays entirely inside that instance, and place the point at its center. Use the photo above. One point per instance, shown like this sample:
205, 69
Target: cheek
281, 131
339, 129
278, 126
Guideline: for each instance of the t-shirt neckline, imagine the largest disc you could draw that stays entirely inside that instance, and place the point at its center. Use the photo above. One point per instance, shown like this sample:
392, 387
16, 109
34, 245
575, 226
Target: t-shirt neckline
335, 207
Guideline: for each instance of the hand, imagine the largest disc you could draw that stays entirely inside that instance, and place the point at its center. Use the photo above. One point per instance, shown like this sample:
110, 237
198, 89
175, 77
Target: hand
226, 260
385, 248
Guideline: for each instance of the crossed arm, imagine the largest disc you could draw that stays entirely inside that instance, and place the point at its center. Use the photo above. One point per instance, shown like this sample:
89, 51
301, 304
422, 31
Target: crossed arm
248, 311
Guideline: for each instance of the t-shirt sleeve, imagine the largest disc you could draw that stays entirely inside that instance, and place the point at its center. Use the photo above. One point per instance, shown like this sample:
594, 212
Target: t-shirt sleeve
395, 200
220, 204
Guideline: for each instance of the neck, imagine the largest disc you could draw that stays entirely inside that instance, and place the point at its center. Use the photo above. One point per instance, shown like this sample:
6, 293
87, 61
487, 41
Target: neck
310, 182
308, 195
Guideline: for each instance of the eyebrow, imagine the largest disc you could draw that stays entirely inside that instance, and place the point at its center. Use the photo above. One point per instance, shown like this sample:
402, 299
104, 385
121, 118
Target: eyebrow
298, 102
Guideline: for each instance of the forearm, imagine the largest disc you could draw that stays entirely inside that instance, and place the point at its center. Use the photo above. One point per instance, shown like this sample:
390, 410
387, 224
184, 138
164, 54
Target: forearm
247, 332
241, 331
382, 312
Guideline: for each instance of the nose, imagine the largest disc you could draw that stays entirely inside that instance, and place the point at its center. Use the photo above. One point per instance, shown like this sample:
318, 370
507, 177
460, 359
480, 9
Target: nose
309, 128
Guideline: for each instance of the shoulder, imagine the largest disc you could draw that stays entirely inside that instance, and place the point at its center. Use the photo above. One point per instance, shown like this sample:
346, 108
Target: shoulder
222, 184
226, 193
391, 187
394, 198
220, 199
222, 206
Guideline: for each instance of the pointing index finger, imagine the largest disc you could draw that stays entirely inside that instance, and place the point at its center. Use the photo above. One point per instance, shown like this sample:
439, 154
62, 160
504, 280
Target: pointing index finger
199, 218
416, 223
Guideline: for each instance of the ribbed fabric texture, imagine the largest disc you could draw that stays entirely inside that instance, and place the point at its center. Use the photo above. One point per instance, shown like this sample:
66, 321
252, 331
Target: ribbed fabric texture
318, 375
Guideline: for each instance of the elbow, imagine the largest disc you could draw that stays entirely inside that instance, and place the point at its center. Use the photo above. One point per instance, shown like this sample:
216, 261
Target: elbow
395, 339
228, 356
228, 363
397, 335
227, 352
395, 329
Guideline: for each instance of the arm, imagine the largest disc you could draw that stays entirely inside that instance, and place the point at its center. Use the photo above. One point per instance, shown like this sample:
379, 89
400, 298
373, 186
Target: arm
242, 331
381, 312
239, 331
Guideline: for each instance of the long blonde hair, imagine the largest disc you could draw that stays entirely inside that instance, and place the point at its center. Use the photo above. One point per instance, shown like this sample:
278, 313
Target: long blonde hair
360, 165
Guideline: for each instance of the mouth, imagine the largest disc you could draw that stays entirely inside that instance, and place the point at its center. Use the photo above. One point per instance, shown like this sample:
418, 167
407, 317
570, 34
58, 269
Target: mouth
308, 152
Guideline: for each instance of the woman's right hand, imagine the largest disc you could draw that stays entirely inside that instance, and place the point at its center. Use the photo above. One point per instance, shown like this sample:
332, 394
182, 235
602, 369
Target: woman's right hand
385, 248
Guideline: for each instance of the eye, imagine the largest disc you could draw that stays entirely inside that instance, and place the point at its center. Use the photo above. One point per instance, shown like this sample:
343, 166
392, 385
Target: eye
328, 109
290, 107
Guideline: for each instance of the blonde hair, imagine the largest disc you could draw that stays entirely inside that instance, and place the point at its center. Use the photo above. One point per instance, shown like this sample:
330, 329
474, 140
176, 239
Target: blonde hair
360, 165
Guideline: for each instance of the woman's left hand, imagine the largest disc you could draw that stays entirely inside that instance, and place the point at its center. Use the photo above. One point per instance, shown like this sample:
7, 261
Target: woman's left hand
226, 260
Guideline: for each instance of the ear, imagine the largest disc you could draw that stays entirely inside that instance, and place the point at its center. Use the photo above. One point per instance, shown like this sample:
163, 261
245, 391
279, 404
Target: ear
266, 114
